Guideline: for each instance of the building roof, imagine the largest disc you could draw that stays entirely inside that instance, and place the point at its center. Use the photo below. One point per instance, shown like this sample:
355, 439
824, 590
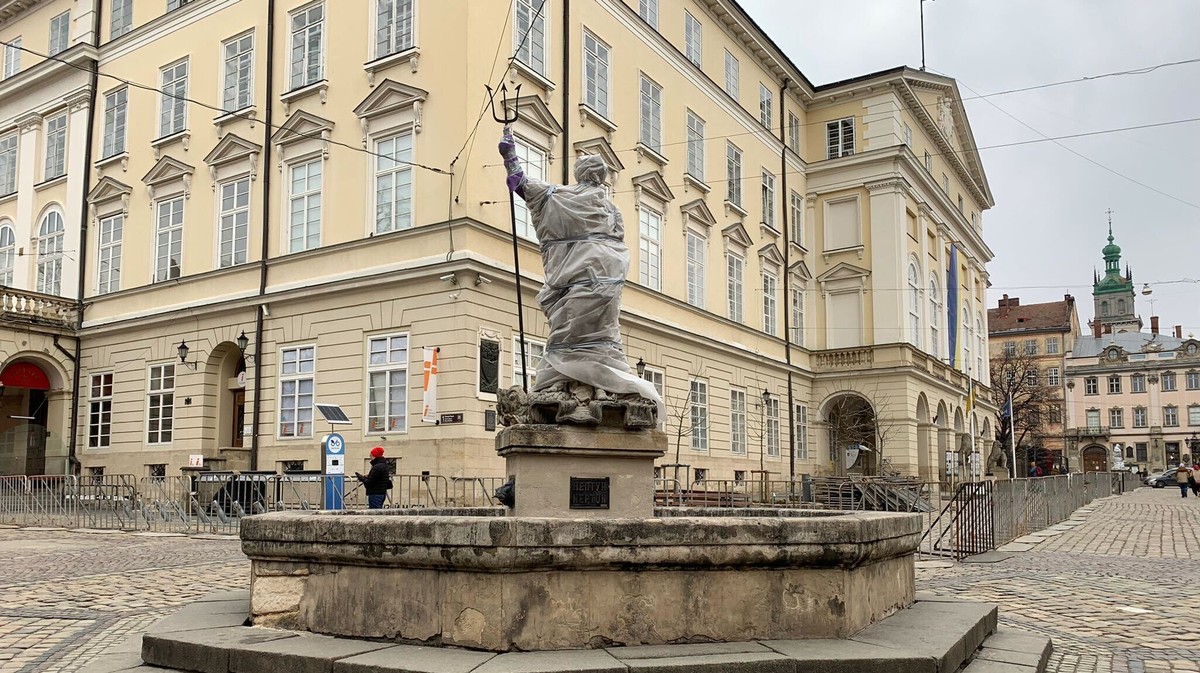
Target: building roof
1130, 342
1013, 318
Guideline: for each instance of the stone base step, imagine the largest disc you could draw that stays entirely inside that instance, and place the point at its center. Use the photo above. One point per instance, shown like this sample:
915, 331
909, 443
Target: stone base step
1011, 651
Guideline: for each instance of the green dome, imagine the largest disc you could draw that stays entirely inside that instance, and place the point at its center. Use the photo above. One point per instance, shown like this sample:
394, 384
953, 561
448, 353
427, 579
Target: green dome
1111, 250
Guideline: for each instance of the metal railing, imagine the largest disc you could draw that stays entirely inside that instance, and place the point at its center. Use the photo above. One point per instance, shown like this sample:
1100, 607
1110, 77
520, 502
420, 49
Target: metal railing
728, 493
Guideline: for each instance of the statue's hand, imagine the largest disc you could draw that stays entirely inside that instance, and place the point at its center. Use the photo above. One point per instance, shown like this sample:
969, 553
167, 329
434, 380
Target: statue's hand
512, 164
508, 146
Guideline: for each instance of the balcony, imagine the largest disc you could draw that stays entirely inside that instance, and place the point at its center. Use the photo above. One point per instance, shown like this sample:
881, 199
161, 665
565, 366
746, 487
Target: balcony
39, 309
846, 358
1089, 432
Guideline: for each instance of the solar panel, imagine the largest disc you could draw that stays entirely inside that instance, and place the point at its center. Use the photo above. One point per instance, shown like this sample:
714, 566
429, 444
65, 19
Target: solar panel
333, 414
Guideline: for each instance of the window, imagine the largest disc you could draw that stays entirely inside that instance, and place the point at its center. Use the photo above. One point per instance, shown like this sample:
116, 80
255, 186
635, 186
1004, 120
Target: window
56, 147
797, 314
122, 18
8, 164
595, 70
771, 412
733, 173
1031, 347
794, 133
928, 162
114, 122
695, 146
8, 254
1051, 345
529, 33
304, 228
533, 161
1141, 452
770, 286
1120, 307
1052, 377
1171, 416
1168, 381
695, 269
1194, 415
1139, 417
651, 117
1091, 386
235, 221
768, 199
731, 75
966, 340
935, 311
1055, 415
176, 4
1116, 418
797, 215
692, 38
737, 422
387, 383
1033, 377
534, 350
839, 137
1093, 420
980, 349
238, 90
1103, 308
296, 391
914, 306
735, 271
960, 203
100, 411
908, 135
168, 248
286, 466
1137, 383
698, 400
1010, 349
489, 366
12, 57
308, 46
654, 376
648, 10
109, 263
173, 115
1192, 380
800, 432
156, 471
393, 26
50, 254
765, 104
1114, 384
160, 417
60, 33
650, 257
393, 183
700, 475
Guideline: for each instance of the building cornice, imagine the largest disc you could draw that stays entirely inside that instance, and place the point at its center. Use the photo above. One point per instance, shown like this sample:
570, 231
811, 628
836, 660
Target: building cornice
11, 10
31, 80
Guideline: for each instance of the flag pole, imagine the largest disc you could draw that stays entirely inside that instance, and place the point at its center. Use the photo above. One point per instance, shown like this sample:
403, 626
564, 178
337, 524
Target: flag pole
1012, 433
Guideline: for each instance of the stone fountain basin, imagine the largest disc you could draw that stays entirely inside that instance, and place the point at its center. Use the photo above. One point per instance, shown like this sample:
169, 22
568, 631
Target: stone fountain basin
478, 579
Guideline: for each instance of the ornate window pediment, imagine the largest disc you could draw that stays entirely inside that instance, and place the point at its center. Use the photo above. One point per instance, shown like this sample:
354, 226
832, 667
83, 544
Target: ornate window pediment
737, 238
601, 148
532, 111
301, 134
106, 191
389, 106
233, 154
653, 185
769, 254
168, 176
696, 214
844, 274
800, 271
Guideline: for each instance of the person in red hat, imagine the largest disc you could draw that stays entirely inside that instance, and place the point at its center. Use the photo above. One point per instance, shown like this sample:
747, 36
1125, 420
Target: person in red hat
377, 482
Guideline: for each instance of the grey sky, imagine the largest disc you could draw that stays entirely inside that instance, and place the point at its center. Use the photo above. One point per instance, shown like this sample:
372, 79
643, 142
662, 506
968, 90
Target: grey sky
1049, 224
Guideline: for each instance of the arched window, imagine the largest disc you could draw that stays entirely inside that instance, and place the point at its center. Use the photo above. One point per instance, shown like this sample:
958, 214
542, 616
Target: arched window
1104, 308
935, 311
966, 339
50, 251
980, 335
914, 306
1120, 307
8, 253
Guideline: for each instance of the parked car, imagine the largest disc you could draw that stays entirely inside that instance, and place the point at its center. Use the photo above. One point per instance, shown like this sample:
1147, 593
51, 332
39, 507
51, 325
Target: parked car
1162, 480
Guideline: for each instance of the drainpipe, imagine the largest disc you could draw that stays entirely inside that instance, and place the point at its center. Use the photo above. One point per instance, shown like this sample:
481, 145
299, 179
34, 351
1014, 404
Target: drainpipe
266, 232
77, 359
784, 202
566, 91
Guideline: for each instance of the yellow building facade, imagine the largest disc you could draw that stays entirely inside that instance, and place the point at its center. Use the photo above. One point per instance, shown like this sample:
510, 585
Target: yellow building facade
322, 178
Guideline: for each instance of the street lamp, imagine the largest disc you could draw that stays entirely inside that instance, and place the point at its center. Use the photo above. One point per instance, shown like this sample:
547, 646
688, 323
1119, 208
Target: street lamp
1194, 446
641, 367
183, 353
242, 343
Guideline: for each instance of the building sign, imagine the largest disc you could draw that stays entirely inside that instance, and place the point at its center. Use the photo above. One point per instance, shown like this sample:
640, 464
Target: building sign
195, 460
589, 493
450, 419
429, 412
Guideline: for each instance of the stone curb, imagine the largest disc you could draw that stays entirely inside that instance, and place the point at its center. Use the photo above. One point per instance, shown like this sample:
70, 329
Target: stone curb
937, 635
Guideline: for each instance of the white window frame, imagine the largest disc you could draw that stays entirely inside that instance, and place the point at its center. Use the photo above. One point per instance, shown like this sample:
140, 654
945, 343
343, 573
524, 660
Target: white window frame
110, 235
767, 192
650, 126
56, 147
839, 138
656, 378
160, 404
1193, 415
766, 103
735, 284
597, 57
693, 39
1053, 376
772, 429
60, 34
981, 363
296, 358
172, 114
169, 233
908, 135
733, 173
1051, 345
737, 421
308, 194
1171, 416
387, 355
695, 146
533, 49
535, 350
914, 305
121, 18
388, 39
698, 414
796, 203
51, 234
1169, 384
12, 57
1114, 384
8, 163
966, 338
1116, 418
8, 252
533, 163
1191, 381
732, 74
1140, 417
1091, 385
648, 10
794, 133
233, 214
770, 302
1092, 419
116, 111
237, 76
928, 163
392, 166
100, 396
935, 312
1137, 383
650, 265
301, 70
797, 308
801, 432
697, 253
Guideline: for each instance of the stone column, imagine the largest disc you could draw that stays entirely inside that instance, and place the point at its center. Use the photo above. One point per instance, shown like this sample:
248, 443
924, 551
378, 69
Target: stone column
927, 461
58, 440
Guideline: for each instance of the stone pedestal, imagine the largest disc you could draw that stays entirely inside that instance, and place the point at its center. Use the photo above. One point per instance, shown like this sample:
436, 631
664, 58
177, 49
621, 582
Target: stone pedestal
581, 472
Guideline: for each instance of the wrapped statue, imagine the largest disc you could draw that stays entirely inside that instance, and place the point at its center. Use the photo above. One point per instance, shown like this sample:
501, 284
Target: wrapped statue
583, 376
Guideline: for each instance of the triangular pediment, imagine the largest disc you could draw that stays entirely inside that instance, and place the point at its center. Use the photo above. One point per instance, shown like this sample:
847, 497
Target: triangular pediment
107, 189
736, 234
389, 96
231, 148
770, 253
800, 270
843, 271
534, 112
167, 169
698, 211
302, 125
601, 148
653, 185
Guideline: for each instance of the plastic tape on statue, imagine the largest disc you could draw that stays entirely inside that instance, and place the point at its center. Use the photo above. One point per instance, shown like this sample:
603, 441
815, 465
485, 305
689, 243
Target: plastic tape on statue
578, 345
590, 282
584, 237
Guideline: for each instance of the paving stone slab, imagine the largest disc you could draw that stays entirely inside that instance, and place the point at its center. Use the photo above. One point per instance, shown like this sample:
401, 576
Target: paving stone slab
1031, 659
1014, 640
743, 662
588, 661
147, 533
114, 663
989, 557
933, 564
1046, 533
688, 650
202, 617
413, 659
204, 651
305, 653
948, 632
1016, 547
985, 666
95, 531
846, 656
239, 594
1028, 539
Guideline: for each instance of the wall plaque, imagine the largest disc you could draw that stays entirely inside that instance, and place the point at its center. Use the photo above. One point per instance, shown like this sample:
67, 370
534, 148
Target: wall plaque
589, 492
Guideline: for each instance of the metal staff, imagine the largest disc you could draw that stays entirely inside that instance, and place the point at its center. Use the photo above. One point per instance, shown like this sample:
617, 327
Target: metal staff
507, 119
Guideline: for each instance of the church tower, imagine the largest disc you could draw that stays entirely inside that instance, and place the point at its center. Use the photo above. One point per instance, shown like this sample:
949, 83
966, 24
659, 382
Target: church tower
1113, 293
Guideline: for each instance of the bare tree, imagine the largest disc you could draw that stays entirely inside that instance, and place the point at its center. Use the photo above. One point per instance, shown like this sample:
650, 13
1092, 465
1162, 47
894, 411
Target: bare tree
856, 420
684, 418
1016, 375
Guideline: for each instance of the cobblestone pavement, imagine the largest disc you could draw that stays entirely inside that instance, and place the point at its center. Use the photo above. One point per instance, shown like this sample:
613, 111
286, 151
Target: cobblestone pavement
65, 597
1105, 590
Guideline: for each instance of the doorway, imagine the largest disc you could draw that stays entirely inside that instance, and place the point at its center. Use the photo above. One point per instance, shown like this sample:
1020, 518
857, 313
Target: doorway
1095, 459
238, 430
24, 414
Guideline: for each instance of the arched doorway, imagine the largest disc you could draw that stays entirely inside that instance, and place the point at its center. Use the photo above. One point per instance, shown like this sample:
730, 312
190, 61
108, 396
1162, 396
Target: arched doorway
225, 390
852, 434
1094, 459
24, 412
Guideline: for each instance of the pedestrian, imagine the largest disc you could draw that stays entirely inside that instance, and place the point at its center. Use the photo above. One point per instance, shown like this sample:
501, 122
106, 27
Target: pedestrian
1182, 477
1194, 480
377, 482
1034, 470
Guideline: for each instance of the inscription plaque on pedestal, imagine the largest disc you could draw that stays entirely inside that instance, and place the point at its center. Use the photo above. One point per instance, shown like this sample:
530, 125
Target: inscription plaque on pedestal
589, 492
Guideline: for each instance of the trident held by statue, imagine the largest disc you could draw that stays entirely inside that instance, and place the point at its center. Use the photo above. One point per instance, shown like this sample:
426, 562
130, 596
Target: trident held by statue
507, 119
